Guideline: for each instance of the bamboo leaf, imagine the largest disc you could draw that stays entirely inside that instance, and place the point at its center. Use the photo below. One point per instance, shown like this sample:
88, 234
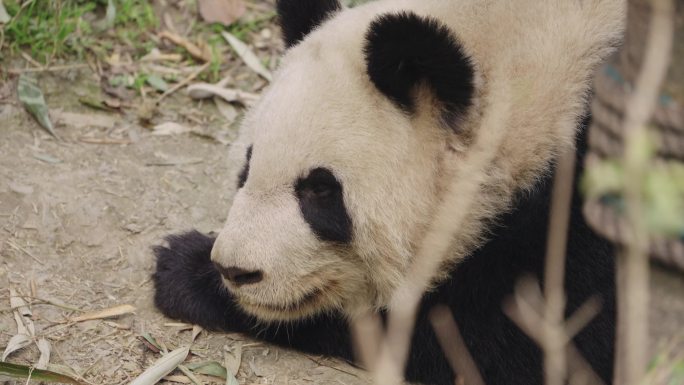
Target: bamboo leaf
32, 98
106, 313
26, 372
163, 366
247, 55
210, 368
157, 82
44, 348
153, 342
15, 343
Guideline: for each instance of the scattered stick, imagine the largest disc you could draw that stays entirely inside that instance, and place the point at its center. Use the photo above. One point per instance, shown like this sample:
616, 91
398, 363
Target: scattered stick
19, 248
43, 301
183, 83
104, 141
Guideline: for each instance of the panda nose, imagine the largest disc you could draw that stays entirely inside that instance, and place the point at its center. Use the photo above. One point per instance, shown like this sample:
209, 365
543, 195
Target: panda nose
240, 276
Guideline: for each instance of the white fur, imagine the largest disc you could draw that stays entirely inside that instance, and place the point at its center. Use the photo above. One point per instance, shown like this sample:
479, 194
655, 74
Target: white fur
322, 110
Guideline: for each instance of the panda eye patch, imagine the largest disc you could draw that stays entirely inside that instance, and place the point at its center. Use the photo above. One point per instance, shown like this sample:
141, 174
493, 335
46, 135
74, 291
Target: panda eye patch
321, 202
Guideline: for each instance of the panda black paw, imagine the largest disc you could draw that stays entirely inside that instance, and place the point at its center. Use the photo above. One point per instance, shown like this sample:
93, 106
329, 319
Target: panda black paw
187, 285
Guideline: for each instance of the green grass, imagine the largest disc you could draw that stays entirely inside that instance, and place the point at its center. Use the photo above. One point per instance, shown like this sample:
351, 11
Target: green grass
46, 27
50, 29
74, 30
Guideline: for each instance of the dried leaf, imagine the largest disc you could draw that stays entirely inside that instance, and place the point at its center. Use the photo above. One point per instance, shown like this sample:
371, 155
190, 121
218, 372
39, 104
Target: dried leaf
226, 109
20, 188
231, 380
233, 358
178, 379
175, 162
47, 158
247, 55
191, 376
162, 367
15, 343
204, 90
106, 313
32, 98
26, 372
44, 348
22, 315
201, 52
102, 105
169, 128
147, 341
157, 83
255, 369
221, 11
4, 16
210, 368
110, 16
196, 330
78, 120
62, 369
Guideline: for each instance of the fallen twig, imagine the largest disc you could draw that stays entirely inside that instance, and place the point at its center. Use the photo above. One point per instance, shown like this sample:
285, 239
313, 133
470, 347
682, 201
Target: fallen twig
183, 83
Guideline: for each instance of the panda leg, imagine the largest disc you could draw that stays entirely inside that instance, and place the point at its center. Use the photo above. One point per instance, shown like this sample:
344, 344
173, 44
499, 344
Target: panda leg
189, 288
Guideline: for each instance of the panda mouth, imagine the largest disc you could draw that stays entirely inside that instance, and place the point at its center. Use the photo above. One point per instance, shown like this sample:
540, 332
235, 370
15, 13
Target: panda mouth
307, 300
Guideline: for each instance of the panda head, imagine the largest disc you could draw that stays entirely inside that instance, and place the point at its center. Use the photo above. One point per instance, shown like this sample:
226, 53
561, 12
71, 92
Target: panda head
341, 160
345, 156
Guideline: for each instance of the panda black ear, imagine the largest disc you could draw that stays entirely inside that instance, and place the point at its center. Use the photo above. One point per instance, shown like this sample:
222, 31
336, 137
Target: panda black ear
405, 50
299, 17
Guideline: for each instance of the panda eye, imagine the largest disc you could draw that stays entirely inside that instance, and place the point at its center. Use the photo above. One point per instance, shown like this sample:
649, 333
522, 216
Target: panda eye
320, 184
322, 190
321, 200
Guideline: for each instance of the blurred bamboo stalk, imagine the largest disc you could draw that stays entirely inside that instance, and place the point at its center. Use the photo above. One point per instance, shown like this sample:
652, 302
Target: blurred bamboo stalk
454, 347
433, 249
633, 264
555, 341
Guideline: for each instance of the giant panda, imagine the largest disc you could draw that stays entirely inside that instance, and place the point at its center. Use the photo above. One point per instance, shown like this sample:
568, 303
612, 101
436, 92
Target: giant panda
344, 160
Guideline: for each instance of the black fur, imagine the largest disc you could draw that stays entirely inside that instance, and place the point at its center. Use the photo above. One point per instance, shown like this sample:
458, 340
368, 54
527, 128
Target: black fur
405, 50
244, 173
321, 201
188, 288
299, 17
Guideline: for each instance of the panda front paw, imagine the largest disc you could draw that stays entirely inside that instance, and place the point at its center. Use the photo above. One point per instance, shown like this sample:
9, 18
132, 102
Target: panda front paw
187, 285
